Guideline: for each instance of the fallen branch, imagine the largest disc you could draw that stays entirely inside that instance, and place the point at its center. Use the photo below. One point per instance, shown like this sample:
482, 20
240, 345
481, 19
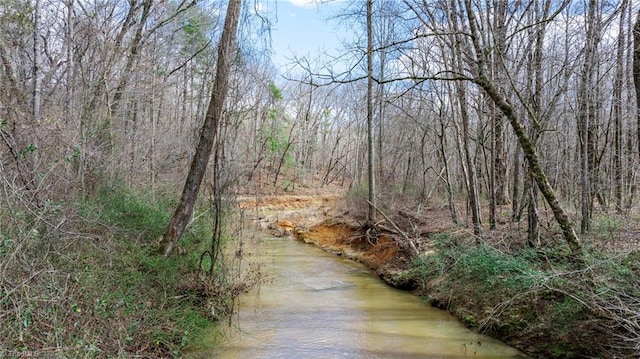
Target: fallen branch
397, 230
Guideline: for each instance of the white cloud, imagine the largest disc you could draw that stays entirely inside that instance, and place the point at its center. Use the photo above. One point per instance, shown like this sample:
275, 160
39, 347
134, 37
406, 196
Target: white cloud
303, 3
311, 3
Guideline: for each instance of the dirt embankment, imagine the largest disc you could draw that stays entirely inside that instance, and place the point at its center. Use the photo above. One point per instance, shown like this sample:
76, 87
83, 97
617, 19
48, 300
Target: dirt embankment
316, 219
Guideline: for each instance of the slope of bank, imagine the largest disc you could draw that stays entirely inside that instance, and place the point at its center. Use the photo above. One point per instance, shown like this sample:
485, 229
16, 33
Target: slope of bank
85, 280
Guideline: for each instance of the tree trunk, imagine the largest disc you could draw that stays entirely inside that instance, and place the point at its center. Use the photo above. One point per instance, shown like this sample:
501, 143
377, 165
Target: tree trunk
499, 170
586, 116
37, 51
208, 133
471, 172
636, 73
516, 186
442, 136
471, 178
533, 221
69, 94
371, 214
617, 114
536, 78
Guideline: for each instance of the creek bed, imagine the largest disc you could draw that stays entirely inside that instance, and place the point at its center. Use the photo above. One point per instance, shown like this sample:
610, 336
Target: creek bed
318, 305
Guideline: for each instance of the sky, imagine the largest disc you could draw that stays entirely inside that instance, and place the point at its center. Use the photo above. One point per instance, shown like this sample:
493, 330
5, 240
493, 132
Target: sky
301, 28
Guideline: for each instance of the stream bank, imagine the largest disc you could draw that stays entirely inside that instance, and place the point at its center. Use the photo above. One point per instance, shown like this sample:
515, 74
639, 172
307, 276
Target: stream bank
530, 299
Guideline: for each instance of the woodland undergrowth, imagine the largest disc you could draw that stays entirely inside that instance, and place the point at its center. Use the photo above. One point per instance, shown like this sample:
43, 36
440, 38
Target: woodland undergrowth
84, 279
534, 298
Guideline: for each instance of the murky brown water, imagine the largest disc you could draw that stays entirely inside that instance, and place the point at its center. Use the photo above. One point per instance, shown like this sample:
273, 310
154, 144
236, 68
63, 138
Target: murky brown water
322, 306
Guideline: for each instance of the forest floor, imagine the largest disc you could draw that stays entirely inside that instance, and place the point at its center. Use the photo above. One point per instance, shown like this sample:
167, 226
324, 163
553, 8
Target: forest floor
500, 287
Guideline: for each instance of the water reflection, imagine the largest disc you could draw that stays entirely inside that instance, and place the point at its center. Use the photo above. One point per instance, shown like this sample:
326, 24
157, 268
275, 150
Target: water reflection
322, 306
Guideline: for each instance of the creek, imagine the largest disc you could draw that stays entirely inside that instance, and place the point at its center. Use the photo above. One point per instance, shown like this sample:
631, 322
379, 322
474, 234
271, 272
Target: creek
318, 305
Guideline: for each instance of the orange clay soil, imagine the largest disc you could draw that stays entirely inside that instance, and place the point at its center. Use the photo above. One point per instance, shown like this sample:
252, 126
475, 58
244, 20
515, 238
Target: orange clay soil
351, 241
314, 219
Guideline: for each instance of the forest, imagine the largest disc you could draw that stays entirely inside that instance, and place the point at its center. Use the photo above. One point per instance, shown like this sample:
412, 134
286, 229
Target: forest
519, 121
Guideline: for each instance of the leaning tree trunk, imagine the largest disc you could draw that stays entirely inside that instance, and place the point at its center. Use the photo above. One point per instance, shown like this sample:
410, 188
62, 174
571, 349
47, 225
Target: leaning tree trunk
208, 133
534, 164
528, 147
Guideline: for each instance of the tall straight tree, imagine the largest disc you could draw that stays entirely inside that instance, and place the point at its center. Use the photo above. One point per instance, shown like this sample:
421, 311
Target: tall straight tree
371, 214
586, 116
37, 50
617, 112
208, 133
461, 92
497, 58
636, 72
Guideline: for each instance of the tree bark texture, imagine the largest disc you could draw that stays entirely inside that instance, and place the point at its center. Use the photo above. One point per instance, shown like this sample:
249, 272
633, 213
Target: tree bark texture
208, 133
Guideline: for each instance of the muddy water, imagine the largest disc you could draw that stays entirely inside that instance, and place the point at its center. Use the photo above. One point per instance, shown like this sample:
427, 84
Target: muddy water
318, 305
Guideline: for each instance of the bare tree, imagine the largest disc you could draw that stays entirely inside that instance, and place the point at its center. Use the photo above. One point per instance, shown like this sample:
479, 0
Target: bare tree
617, 112
226, 51
497, 175
587, 113
371, 174
461, 92
37, 53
